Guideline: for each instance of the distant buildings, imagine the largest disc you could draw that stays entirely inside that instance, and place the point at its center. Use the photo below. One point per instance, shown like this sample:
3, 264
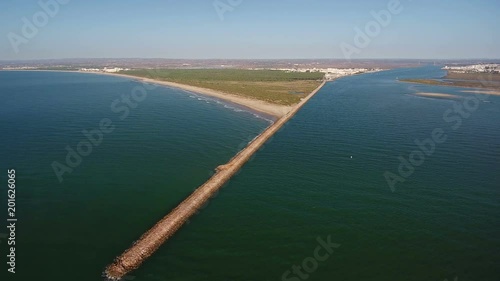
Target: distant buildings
476, 68
107, 70
20, 68
330, 73
89, 69
333, 73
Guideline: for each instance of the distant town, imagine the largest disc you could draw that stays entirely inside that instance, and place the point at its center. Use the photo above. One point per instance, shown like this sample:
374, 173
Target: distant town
330, 73
476, 68
332, 68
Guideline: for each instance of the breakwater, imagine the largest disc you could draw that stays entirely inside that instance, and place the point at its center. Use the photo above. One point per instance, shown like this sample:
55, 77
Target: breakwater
150, 241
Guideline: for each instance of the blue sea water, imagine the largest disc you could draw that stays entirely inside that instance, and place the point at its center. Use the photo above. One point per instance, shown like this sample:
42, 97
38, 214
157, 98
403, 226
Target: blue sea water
320, 178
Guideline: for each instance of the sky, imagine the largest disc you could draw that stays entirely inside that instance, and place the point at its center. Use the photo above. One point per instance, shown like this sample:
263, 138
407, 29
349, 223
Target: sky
249, 29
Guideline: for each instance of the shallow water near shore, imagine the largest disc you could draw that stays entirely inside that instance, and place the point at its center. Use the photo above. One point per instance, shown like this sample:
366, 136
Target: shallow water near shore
320, 176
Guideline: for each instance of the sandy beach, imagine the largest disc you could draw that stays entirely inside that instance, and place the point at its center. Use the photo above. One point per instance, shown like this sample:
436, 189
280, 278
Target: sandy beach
487, 92
275, 110
151, 240
437, 95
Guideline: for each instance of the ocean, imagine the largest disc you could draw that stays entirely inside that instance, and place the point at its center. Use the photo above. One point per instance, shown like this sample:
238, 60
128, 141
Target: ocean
321, 180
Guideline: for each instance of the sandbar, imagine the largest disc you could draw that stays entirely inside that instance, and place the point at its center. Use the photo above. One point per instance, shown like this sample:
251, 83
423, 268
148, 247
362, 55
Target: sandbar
494, 93
437, 95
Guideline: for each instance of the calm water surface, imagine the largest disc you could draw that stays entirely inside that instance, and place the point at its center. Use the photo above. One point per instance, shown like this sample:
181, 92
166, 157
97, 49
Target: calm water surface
321, 175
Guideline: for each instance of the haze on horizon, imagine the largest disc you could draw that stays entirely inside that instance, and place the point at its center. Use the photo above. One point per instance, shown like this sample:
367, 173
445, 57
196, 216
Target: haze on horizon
250, 29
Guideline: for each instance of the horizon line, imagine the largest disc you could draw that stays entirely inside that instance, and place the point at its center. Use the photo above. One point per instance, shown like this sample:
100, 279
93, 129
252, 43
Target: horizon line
246, 59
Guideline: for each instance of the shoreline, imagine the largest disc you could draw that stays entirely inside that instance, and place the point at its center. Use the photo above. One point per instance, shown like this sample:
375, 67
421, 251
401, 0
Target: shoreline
133, 257
260, 106
440, 84
437, 96
274, 111
486, 92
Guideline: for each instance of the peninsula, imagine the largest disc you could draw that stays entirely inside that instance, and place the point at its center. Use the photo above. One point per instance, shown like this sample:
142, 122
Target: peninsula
482, 76
272, 92
150, 241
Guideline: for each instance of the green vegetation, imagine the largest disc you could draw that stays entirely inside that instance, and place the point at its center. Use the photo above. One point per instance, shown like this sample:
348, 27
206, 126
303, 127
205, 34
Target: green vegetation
273, 86
427, 82
465, 80
474, 76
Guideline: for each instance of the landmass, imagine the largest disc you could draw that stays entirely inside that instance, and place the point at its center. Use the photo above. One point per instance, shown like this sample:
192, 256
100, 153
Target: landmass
272, 91
157, 63
481, 76
151, 240
272, 87
437, 95
494, 93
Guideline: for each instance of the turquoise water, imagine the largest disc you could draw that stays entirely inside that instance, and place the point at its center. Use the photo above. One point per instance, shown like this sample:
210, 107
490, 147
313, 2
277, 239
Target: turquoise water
441, 223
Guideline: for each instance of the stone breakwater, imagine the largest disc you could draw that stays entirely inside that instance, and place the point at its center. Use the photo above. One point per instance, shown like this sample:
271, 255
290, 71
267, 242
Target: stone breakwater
150, 241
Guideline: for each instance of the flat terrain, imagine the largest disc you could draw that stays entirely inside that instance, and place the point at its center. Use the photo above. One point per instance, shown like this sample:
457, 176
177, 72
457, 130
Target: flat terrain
493, 93
273, 86
473, 76
466, 80
437, 95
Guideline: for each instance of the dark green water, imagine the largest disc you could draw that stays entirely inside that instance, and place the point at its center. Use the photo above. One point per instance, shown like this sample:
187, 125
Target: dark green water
441, 223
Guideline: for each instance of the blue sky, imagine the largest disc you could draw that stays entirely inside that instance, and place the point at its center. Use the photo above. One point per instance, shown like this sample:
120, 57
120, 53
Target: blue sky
251, 29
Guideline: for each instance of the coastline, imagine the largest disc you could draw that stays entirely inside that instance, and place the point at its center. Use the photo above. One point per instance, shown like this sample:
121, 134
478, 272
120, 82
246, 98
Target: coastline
437, 95
431, 82
486, 92
275, 111
151, 240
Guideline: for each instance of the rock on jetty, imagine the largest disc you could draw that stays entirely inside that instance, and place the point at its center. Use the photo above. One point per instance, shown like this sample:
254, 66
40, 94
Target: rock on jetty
150, 241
